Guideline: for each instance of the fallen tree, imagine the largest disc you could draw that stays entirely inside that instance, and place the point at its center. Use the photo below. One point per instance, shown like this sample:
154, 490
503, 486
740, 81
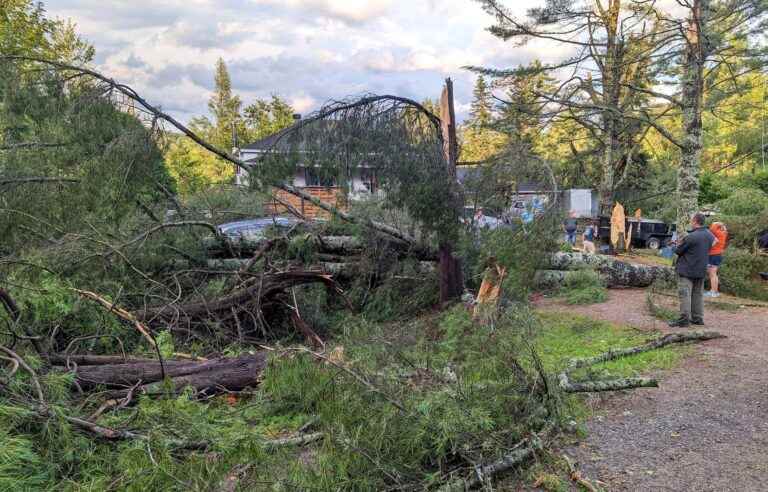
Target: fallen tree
257, 290
615, 273
564, 378
136, 376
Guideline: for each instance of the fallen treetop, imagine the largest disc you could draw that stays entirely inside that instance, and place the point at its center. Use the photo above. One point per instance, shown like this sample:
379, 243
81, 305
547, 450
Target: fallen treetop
159, 114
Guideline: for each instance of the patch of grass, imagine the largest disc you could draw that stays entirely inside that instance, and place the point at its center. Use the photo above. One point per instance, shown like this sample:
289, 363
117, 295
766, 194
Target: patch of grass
565, 336
583, 287
588, 295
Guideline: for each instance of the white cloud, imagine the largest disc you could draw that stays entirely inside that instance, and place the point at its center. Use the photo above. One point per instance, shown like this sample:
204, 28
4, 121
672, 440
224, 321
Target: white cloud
346, 10
307, 51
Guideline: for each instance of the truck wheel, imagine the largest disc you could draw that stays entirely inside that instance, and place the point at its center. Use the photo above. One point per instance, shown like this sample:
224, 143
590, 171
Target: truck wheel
654, 243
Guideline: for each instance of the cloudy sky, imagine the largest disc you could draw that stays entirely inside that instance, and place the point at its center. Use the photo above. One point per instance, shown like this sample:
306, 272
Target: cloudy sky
307, 51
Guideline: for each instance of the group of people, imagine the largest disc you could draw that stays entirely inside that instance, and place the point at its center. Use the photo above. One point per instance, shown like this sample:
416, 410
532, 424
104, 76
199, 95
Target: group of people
699, 257
591, 231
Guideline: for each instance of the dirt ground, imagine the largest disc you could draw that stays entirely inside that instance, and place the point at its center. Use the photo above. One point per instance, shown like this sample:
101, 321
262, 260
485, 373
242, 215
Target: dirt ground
704, 429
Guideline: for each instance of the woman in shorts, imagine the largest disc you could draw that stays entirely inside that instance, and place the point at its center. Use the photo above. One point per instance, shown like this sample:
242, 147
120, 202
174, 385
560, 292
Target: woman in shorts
720, 232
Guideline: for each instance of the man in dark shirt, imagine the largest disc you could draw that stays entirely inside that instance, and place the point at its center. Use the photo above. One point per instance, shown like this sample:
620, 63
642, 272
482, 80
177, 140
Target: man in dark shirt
692, 257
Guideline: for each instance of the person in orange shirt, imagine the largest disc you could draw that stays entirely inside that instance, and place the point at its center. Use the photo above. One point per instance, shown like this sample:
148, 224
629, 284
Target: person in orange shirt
720, 232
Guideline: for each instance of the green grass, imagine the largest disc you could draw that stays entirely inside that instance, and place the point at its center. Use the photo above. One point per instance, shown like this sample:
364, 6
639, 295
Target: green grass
726, 306
565, 336
583, 287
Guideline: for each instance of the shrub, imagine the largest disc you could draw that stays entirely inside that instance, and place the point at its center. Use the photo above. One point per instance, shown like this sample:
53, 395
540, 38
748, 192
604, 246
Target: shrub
744, 202
739, 274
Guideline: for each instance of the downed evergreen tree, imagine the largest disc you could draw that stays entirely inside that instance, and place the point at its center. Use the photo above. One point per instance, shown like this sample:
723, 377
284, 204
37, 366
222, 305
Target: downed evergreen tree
615, 273
103, 337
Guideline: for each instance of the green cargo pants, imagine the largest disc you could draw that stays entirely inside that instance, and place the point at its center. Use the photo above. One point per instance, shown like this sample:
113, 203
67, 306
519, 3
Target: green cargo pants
691, 292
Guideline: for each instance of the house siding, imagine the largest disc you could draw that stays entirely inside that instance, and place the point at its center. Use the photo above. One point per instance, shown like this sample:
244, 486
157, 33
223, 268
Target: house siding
333, 196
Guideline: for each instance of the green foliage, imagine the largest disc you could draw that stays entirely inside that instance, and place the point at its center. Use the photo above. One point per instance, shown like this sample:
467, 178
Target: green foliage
443, 417
108, 157
225, 106
583, 287
739, 274
481, 110
520, 250
195, 169
264, 118
744, 202
745, 213
21, 468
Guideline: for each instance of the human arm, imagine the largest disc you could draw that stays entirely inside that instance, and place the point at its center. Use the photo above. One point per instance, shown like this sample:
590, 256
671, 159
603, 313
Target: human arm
682, 247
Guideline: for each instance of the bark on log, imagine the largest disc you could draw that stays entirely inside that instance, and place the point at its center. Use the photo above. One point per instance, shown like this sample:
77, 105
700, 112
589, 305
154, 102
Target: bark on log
625, 383
339, 267
607, 385
525, 451
227, 373
262, 288
338, 245
693, 336
615, 272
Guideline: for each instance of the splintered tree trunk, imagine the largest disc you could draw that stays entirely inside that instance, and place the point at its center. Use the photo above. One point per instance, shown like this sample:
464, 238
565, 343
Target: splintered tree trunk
692, 94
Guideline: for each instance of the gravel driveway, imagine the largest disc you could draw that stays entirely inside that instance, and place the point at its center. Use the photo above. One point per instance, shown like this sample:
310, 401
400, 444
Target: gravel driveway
704, 429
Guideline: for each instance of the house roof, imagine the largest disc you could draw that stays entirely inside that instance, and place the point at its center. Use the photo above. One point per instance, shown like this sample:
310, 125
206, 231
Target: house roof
283, 140
270, 142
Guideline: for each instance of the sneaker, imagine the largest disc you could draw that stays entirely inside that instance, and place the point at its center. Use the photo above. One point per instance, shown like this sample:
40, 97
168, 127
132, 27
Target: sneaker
679, 323
699, 322
709, 293
715, 294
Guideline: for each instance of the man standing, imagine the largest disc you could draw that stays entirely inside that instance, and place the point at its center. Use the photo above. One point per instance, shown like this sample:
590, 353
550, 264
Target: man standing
692, 258
569, 226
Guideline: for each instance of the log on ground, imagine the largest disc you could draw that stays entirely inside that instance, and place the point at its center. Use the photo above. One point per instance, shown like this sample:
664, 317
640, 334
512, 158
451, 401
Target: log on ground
615, 272
225, 373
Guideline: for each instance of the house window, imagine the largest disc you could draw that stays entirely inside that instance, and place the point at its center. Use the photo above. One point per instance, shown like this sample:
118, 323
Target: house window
368, 178
315, 176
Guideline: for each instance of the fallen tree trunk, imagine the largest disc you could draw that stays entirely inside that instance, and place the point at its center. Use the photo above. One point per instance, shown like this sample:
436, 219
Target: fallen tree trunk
146, 375
259, 289
615, 272
625, 383
335, 245
339, 267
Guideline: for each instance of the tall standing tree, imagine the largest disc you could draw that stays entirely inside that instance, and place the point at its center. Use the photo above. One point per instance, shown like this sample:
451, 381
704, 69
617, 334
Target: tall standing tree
607, 70
481, 111
225, 108
265, 117
480, 141
711, 38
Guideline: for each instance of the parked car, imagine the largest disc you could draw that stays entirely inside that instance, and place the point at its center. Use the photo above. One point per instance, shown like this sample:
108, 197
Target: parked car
646, 233
254, 229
